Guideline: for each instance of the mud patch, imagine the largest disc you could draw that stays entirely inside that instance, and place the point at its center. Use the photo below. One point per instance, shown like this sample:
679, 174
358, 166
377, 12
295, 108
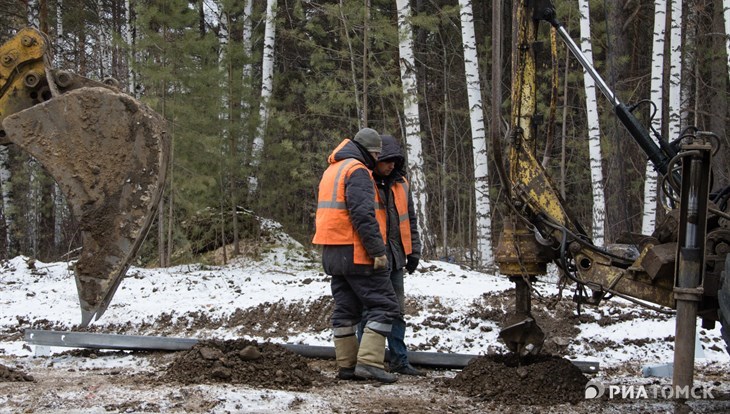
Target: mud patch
281, 318
242, 361
267, 320
554, 314
92, 353
8, 374
538, 380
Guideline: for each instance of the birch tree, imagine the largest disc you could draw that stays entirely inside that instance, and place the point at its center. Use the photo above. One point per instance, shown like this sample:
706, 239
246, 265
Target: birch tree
267, 81
479, 140
657, 72
33, 11
225, 116
246, 82
7, 201
726, 15
31, 212
675, 70
5, 193
59, 24
247, 43
103, 42
129, 38
411, 117
594, 131
60, 211
223, 22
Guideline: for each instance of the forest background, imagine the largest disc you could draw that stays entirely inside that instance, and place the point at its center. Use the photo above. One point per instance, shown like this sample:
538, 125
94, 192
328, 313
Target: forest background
195, 63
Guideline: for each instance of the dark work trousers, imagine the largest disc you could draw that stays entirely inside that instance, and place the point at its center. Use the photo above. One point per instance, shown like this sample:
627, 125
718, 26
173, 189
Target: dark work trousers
375, 292
396, 338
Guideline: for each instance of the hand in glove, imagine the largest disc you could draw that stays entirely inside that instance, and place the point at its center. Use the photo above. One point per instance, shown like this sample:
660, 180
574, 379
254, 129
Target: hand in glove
411, 264
381, 262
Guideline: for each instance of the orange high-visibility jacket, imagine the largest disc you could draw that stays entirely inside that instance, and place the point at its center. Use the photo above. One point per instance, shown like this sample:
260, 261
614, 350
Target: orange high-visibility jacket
399, 189
333, 222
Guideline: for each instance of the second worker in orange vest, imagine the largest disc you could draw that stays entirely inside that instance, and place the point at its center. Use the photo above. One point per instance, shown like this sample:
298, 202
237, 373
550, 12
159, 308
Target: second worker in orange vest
351, 227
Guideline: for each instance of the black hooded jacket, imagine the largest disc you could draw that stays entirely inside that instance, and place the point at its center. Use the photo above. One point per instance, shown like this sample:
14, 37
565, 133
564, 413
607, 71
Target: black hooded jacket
396, 252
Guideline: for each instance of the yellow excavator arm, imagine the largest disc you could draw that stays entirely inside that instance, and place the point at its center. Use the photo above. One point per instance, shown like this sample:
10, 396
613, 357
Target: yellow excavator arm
683, 267
107, 152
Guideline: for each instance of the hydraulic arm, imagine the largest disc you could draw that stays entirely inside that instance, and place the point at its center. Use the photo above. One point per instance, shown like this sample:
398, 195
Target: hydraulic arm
678, 267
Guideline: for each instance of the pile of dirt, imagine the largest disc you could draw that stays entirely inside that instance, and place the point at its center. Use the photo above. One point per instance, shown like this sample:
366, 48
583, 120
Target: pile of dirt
242, 361
12, 375
534, 380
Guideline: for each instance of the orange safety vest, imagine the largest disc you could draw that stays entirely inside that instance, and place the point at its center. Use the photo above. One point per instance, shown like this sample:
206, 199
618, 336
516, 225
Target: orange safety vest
333, 225
400, 196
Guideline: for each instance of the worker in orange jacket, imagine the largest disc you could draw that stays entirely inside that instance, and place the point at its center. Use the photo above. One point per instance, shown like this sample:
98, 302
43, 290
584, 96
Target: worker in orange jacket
403, 244
350, 225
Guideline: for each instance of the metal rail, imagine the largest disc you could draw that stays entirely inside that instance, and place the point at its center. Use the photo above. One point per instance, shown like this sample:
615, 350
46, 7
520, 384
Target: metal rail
164, 343
107, 341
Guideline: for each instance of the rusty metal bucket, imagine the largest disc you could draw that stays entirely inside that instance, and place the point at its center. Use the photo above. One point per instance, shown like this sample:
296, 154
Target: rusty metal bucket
109, 155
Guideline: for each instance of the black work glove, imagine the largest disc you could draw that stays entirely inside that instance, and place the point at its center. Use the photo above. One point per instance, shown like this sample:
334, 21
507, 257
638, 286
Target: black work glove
411, 264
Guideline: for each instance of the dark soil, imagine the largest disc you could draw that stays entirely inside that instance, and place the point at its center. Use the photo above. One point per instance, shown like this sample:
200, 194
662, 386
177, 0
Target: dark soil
554, 315
536, 380
277, 319
267, 320
12, 375
242, 361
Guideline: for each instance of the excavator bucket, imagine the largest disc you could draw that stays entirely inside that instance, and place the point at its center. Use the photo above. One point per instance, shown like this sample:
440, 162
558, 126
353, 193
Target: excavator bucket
524, 337
520, 332
109, 155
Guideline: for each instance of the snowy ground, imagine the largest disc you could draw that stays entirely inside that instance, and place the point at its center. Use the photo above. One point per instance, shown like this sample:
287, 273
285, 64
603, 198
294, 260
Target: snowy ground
447, 307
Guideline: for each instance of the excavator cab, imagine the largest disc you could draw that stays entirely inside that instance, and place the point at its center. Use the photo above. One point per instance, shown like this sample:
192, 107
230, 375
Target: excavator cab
107, 152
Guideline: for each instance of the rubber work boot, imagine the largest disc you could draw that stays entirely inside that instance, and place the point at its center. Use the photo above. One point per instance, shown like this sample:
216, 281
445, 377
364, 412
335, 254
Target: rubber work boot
408, 369
346, 354
370, 358
347, 374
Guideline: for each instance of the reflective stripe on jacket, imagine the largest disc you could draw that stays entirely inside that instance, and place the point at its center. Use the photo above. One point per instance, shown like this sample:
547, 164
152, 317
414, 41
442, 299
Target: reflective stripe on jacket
333, 222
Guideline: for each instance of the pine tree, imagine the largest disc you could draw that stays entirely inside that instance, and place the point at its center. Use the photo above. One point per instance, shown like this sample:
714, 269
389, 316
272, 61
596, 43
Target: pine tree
178, 69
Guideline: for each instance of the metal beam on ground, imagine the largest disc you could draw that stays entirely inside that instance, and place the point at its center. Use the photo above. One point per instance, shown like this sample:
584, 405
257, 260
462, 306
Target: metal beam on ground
107, 341
163, 343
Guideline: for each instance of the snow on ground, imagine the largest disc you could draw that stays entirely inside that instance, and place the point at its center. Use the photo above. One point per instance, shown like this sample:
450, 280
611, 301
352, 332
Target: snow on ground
46, 291
152, 301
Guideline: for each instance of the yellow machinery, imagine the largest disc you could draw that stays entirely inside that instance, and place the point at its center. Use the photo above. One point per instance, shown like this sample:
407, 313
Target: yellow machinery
680, 266
107, 152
